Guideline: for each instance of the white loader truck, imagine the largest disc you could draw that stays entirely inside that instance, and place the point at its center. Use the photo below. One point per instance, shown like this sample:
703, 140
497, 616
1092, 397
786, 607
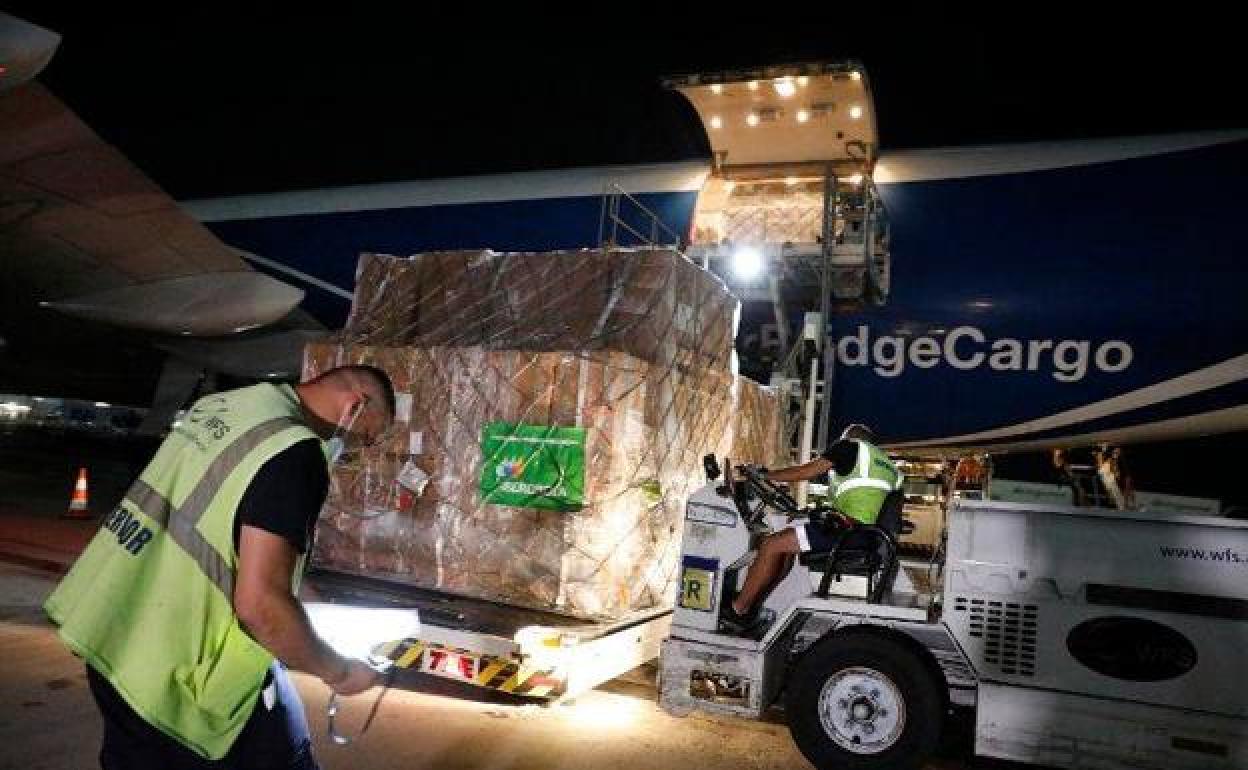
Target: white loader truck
1080, 637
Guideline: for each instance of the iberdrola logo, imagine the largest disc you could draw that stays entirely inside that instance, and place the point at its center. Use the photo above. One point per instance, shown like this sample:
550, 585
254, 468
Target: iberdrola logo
510, 469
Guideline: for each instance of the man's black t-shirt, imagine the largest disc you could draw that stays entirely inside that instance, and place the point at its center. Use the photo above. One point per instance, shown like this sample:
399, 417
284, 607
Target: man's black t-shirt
286, 495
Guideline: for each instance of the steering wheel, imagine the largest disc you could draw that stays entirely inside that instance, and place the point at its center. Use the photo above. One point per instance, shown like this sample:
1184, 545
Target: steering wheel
771, 493
740, 490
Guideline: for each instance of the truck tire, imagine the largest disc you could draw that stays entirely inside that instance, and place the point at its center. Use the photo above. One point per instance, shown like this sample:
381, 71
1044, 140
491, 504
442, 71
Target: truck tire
862, 702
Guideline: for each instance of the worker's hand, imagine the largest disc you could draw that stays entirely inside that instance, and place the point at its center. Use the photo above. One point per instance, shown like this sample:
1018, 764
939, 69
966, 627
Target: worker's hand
358, 677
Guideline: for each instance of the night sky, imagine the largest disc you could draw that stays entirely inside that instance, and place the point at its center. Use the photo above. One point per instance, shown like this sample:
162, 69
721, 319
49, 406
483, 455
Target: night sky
219, 101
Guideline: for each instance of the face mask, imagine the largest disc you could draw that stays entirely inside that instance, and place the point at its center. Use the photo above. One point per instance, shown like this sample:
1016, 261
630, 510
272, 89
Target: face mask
337, 443
334, 449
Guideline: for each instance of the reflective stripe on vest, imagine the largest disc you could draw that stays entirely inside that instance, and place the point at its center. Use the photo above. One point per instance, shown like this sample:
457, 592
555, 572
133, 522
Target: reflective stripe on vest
163, 566
849, 484
182, 524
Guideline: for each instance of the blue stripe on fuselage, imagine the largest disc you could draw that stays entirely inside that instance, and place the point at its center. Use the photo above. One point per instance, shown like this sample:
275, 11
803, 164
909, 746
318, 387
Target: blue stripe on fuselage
1145, 250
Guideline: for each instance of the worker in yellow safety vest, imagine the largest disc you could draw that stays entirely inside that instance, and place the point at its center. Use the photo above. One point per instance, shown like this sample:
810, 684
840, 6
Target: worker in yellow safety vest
186, 596
861, 477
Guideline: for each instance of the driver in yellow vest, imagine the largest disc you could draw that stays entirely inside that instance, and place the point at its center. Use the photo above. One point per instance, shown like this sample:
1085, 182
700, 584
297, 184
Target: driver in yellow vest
861, 477
186, 596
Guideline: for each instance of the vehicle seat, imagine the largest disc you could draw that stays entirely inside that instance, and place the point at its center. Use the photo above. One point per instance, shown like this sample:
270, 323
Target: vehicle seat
866, 550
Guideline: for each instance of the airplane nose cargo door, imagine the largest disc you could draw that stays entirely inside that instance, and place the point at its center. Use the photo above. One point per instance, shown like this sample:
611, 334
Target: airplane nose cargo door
793, 148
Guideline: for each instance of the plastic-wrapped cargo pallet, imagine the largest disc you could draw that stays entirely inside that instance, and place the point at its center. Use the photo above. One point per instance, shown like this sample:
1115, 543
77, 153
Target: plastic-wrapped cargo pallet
560, 405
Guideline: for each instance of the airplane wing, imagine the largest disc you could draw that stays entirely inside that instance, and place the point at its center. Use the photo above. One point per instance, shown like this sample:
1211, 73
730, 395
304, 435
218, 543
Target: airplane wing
90, 235
85, 235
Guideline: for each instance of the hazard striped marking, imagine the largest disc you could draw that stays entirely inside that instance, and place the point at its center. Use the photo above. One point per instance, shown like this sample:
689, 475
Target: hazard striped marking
502, 674
412, 655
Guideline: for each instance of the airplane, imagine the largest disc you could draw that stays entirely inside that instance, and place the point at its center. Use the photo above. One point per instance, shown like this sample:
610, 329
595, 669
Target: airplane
1037, 294
1008, 297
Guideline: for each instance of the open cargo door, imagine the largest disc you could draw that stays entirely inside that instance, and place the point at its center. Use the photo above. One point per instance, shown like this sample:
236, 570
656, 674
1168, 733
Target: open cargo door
794, 148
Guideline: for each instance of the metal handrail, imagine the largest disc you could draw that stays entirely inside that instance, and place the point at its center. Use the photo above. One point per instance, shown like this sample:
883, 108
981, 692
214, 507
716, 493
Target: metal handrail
611, 222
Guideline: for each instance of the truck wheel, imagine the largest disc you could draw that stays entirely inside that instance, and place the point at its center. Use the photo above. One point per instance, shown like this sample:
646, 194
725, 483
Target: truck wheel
863, 701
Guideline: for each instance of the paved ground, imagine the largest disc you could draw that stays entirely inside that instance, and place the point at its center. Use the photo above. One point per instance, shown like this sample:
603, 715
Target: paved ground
50, 720
37, 474
38, 469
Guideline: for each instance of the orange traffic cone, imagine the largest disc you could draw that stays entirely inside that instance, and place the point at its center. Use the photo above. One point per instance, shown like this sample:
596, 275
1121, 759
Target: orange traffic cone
78, 503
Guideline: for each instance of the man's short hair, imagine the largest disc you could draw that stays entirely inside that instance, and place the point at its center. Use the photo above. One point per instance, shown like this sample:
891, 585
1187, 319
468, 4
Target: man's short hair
375, 377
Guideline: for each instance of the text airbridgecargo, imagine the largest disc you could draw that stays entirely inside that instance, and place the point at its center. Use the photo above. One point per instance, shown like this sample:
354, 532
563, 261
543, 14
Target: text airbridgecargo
968, 348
